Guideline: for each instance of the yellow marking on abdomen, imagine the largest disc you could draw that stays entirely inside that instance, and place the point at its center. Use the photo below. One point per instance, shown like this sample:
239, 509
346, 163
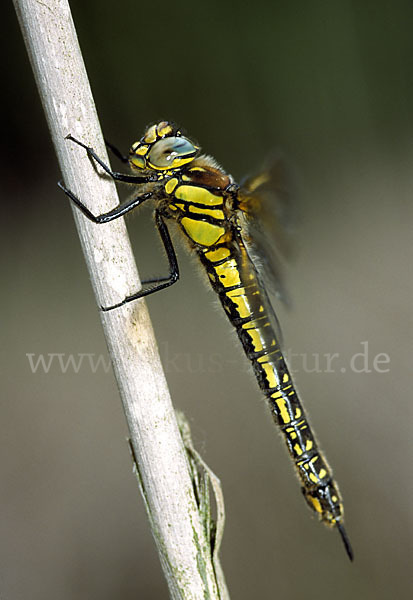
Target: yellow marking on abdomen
298, 450
316, 504
228, 273
314, 478
241, 301
282, 406
217, 254
255, 336
270, 375
254, 331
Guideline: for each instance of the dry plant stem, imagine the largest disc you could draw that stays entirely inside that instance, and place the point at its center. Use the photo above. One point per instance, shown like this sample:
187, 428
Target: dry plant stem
60, 74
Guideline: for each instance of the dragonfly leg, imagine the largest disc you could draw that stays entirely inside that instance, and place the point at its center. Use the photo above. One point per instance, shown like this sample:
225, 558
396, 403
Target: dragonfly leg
154, 280
161, 283
115, 213
114, 174
116, 152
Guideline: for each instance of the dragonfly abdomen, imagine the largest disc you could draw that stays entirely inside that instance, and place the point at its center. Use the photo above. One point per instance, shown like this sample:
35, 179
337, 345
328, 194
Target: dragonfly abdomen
234, 278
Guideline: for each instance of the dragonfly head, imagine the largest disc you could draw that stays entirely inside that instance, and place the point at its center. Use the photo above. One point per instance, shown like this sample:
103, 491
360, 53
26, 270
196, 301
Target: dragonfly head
162, 148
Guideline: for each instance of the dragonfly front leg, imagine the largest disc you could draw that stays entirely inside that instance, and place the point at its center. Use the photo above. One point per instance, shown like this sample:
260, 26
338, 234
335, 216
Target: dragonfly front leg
116, 152
114, 174
115, 213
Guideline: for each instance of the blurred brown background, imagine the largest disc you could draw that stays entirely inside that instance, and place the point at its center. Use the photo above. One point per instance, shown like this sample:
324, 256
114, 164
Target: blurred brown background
331, 84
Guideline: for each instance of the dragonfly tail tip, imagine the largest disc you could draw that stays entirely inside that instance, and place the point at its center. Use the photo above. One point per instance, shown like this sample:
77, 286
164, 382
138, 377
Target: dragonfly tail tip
346, 541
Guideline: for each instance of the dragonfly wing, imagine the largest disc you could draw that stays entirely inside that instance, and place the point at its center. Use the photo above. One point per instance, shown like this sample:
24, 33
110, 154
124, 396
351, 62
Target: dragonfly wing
247, 262
266, 218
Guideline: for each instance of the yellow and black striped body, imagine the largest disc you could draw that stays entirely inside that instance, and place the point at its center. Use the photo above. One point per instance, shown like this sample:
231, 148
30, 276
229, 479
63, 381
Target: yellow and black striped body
209, 208
207, 215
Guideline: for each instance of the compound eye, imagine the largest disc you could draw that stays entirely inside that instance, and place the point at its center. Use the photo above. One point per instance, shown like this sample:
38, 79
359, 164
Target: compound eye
171, 153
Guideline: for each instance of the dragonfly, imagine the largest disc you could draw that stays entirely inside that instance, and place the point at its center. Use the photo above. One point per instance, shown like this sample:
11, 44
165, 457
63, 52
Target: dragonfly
226, 227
